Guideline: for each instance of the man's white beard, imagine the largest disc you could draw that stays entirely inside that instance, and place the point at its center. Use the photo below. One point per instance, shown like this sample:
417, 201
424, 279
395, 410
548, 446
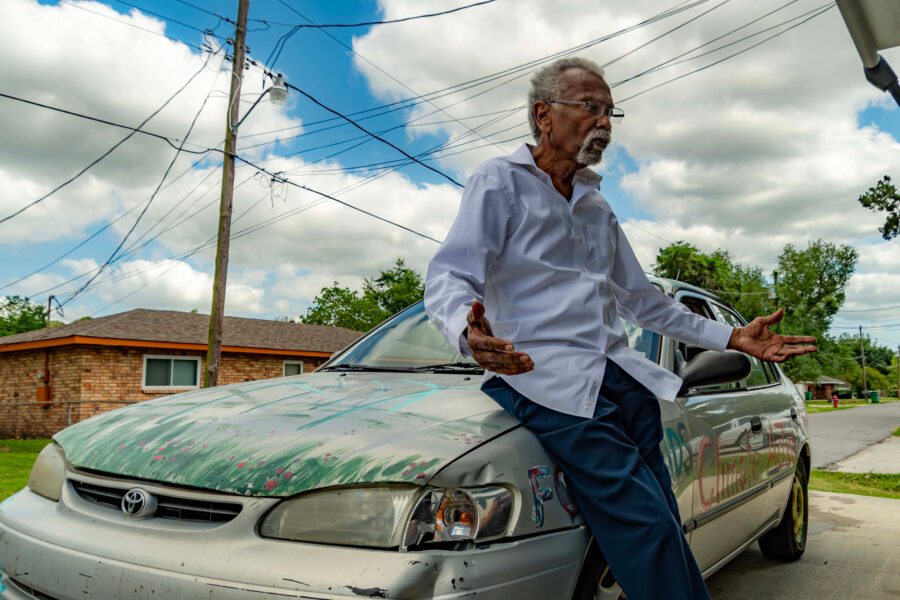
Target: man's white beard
590, 156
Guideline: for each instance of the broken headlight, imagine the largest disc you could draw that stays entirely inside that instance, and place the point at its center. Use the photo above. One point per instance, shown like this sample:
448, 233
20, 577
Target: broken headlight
390, 516
449, 515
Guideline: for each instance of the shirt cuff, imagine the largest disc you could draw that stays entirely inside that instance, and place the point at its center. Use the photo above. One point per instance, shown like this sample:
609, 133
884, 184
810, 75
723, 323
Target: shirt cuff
457, 332
717, 335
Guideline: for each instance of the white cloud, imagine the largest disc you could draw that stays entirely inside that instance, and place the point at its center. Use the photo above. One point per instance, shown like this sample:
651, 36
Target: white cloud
67, 57
748, 155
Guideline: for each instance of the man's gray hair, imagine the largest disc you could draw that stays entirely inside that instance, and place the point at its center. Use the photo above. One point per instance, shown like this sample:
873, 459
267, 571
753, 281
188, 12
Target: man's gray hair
545, 85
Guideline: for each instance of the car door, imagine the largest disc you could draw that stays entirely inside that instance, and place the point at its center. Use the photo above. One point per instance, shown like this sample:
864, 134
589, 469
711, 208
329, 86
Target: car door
725, 427
780, 422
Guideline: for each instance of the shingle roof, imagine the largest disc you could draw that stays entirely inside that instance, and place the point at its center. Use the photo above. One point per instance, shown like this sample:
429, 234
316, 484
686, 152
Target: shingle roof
825, 379
188, 328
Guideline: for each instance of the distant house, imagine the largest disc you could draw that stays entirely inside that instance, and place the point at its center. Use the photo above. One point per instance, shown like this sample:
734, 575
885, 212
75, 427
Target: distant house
100, 364
820, 389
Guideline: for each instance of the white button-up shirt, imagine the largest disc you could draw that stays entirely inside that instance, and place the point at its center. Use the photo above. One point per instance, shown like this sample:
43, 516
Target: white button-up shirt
555, 276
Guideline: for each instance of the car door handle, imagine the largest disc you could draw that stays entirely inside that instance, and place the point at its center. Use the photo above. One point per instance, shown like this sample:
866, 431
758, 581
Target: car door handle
794, 414
755, 424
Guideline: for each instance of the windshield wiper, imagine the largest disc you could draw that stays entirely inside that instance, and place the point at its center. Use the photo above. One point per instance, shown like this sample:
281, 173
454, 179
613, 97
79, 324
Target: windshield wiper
452, 366
364, 368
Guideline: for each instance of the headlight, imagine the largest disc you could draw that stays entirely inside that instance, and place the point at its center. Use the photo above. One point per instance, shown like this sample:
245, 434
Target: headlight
49, 472
390, 516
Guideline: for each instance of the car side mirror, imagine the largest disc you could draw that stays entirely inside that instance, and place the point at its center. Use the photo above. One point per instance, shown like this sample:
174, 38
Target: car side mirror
712, 368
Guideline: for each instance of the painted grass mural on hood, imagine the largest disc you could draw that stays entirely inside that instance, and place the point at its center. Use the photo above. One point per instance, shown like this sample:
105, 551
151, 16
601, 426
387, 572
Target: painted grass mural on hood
281, 437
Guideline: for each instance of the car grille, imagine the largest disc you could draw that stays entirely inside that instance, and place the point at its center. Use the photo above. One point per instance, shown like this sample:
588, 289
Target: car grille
167, 507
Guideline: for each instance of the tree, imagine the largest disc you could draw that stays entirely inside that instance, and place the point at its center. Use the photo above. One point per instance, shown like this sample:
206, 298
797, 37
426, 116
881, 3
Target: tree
342, 307
18, 315
812, 284
884, 197
744, 287
392, 291
396, 288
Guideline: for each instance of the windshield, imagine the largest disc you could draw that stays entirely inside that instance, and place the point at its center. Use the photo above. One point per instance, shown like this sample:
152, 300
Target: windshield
410, 341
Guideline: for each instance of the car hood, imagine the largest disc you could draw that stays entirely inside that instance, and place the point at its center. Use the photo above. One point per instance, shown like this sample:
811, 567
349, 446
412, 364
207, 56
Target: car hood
284, 436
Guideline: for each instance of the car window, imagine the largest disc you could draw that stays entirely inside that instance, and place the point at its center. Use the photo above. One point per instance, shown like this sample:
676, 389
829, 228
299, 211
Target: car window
642, 340
410, 340
759, 374
407, 340
700, 307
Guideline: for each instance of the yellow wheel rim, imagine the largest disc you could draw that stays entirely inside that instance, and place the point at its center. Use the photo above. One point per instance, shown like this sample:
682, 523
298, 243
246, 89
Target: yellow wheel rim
798, 509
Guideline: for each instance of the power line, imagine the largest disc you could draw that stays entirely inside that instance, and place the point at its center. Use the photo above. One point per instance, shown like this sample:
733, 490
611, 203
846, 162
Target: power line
380, 70
144, 29
730, 56
377, 137
146, 206
368, 23
871, 309
529, 67
105, 122
171, 20
108, 152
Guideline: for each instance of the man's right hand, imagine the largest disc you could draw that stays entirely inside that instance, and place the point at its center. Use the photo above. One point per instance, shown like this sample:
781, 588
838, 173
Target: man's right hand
494, 354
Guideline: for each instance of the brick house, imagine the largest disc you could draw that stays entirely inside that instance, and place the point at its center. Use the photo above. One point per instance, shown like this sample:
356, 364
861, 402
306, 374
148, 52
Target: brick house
100, 364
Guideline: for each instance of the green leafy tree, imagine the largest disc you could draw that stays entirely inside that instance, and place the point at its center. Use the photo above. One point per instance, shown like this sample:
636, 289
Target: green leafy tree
18, 315
342, 307
392, 291
883, 197
744, 287
812, 284
396, 288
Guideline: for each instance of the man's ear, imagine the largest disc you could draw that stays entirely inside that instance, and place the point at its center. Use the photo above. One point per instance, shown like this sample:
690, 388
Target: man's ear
541, 111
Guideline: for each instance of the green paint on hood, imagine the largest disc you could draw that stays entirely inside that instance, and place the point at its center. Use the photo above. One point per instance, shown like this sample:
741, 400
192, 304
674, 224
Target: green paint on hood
284, 436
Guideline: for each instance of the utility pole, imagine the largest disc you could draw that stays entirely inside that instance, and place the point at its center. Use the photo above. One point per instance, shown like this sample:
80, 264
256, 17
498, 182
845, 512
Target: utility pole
216, 316
862, 350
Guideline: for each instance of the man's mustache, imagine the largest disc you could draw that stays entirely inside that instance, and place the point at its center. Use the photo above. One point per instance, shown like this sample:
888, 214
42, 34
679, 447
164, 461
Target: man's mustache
598, 134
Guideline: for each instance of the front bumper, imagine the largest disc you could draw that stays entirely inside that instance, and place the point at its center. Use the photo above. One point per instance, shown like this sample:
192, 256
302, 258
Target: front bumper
69, 549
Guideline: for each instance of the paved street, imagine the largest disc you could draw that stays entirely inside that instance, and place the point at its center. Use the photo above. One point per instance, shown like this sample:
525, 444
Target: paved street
851, 553
843, 433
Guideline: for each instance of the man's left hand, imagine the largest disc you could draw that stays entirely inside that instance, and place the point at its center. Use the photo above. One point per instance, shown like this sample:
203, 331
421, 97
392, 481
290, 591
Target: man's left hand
757, 340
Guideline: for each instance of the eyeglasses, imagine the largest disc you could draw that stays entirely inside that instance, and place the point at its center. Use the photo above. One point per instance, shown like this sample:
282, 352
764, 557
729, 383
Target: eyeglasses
594, 108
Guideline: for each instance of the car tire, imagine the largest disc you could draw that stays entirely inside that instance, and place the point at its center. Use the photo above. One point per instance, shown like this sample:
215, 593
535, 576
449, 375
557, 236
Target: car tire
596, 581
788, 540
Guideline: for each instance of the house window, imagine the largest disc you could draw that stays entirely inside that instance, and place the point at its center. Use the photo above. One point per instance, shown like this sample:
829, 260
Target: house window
169, 372
293, 367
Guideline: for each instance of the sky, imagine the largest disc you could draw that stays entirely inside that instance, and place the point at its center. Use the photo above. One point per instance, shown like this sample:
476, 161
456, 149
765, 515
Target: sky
749, 125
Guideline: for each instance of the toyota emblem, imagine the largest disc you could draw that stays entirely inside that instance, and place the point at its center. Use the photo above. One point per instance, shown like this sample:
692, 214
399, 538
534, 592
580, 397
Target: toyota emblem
138, 504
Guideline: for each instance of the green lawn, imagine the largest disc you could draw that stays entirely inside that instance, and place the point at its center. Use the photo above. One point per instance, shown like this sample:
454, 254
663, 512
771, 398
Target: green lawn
865, 484
16, 459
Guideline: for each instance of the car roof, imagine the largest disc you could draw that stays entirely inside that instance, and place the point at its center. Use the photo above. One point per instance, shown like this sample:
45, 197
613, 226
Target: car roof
671, 286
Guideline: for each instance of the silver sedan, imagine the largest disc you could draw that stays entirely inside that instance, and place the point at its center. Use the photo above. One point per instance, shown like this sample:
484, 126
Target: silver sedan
387, 473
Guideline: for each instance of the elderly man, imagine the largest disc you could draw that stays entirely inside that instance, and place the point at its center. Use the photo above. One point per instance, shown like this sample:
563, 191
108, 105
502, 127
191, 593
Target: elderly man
532, 280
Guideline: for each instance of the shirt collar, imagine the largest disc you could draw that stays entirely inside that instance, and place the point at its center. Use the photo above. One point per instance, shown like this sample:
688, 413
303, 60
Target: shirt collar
585, 180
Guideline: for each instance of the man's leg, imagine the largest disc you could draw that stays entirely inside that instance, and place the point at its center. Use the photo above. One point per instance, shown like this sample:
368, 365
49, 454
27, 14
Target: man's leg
617, 493
640, 413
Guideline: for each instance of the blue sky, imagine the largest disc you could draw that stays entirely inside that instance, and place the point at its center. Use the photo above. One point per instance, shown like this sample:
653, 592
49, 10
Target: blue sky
764, 149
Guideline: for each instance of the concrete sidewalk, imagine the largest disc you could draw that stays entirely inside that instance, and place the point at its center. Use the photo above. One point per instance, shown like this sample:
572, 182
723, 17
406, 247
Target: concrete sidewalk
851, 552
883, 457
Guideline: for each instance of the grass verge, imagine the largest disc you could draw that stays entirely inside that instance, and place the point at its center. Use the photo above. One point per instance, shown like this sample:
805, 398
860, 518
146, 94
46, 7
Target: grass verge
863, 484
16, 460
896, 432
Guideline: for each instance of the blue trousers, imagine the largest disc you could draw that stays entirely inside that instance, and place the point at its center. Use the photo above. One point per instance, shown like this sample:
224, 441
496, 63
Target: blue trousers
615, 470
